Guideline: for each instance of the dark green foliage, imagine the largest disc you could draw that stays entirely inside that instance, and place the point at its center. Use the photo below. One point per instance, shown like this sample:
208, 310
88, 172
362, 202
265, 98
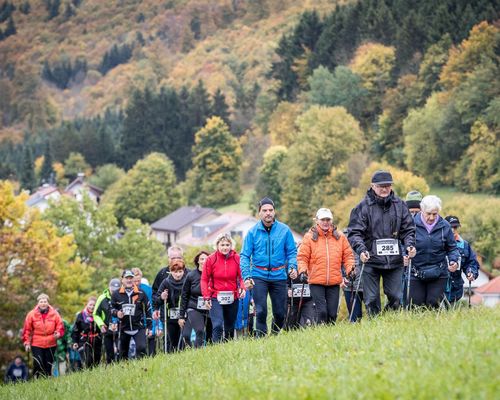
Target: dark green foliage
27, 173
25, 8
6, 10
116, 56
195, 26
140, 18
9, 30
47, 174
69, 11
164, 122
411, 26
220, 107
52, 7
64, 73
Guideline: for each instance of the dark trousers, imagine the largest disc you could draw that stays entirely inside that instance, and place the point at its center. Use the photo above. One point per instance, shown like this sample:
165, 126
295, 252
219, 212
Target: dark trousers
358, 306
427, 293
199, 321
91, 352
277, 290
43, 359
140, 344
391, 284
223, 320
174, 340
307, 313
326, 300
109, 347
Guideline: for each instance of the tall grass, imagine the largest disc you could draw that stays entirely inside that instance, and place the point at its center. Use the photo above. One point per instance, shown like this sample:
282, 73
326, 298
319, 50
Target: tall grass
423, 355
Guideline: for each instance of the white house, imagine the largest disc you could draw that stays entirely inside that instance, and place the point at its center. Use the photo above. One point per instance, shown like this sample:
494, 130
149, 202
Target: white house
40, 199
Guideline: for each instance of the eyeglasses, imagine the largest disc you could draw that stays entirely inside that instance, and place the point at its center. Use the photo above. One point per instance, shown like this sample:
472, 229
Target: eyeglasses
388, 186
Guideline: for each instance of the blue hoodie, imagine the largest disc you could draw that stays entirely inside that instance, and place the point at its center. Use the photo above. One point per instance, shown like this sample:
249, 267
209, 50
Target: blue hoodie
268, 255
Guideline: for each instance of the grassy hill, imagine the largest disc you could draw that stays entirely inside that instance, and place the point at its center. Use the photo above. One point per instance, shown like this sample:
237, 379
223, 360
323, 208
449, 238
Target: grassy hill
174, 42
406, 356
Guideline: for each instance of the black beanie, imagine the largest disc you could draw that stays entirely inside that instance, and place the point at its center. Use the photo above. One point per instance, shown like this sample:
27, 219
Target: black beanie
264, 201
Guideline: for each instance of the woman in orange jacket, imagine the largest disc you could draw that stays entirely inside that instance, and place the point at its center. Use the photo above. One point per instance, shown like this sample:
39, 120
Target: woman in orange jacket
42, 327
321, 255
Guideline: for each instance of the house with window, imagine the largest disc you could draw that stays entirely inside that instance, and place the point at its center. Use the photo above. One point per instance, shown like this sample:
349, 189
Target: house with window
169, 229
79, 186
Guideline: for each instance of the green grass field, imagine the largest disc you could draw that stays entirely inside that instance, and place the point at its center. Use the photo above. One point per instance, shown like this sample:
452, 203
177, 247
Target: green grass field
427, 355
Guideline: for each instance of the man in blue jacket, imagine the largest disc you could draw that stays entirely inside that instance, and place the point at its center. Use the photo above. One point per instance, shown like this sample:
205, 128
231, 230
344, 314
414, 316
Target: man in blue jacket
468, 264
267, 255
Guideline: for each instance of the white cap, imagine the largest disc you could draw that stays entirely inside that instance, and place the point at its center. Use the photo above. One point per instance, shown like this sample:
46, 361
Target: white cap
324, 213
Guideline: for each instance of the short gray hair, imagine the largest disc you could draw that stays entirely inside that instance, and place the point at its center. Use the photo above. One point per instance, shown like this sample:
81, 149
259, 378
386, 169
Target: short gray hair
430, 203
175, 249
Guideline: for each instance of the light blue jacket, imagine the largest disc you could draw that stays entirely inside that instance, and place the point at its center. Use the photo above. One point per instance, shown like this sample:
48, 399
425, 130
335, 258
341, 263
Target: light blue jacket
269, 251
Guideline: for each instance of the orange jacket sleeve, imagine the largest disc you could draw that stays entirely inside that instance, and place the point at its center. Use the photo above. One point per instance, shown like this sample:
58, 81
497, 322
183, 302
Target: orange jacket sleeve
28, 329
304, 254
347, 255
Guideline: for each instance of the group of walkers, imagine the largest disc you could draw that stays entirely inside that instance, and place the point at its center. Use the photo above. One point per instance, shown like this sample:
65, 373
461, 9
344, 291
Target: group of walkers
418, 254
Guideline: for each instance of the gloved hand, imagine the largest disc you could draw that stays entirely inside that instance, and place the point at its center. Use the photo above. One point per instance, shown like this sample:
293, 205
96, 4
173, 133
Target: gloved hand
303, 277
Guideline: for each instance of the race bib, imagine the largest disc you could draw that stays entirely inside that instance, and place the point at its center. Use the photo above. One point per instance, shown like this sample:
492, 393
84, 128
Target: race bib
128, 309
201, 304
225, 298
174, 313
17, 372
387, 247
297, 289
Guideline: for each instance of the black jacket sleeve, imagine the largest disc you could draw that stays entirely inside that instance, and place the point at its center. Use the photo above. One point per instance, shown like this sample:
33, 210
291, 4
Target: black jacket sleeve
356, 229
185, 294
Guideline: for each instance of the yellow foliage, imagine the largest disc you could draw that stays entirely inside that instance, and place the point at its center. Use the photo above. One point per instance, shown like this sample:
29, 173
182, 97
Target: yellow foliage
463, 59
374, 63
282, 127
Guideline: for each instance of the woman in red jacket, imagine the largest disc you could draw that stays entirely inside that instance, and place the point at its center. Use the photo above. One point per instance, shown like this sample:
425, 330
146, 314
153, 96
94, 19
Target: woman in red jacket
42, 327
222, 286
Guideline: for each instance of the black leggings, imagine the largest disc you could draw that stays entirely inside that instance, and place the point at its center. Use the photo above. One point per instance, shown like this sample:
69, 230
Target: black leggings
199, 321
91, 353
43, 359
427, 293
326, 299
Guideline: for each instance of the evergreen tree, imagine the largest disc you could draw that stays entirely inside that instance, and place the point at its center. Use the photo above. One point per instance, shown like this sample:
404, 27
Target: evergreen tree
11, 28
25, 7
47, 174
199, 106
138, 136
195, 25
214, 180
220, 107
27, 173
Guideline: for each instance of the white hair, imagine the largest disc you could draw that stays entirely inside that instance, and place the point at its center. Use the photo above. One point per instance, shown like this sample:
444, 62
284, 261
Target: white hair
175, 249
430, 203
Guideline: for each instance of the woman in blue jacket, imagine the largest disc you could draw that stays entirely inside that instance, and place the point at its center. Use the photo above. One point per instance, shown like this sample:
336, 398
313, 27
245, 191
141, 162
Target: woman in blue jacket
437, 255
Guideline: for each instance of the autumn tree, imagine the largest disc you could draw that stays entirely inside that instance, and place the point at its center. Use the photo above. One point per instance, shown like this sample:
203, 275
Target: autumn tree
327, 137
269, 181
147, 192
33, 259
214, 180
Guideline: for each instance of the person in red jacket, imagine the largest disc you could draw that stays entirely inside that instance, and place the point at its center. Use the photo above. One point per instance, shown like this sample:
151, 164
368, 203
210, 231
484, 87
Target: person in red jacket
221, 287
42, 327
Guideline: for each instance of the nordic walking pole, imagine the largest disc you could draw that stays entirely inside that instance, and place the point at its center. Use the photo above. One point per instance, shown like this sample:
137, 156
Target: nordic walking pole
408, 285
165, 325
357, 290
299, 310
470, 292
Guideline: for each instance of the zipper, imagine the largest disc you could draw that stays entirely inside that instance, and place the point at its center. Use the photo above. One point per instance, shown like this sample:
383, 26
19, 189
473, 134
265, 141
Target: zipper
327, 261
269, 253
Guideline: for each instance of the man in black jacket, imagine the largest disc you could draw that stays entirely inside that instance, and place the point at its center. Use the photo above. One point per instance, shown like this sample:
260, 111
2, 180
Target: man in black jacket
381, 231
132, 307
